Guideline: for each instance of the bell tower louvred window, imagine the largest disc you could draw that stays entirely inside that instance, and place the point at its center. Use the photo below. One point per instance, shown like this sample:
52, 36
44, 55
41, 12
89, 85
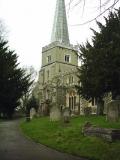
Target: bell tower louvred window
67, 58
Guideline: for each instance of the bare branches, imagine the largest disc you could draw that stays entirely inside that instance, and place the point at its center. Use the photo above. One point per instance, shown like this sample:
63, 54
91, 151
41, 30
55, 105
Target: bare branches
69, 4
105, 3
76, 4
3, 32
100, 7
83, 6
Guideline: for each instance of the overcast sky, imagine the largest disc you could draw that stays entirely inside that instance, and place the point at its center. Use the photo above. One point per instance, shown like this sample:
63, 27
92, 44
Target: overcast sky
29, 25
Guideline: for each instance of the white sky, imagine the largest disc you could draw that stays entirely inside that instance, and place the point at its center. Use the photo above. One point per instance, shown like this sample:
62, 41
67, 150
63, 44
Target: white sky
29, 25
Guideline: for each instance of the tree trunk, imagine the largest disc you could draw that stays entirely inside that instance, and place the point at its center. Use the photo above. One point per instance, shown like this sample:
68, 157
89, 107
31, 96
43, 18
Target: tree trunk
79, 106
100, 107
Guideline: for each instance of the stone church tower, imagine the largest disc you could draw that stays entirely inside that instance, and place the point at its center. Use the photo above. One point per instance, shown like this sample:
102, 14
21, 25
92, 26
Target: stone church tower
57, 77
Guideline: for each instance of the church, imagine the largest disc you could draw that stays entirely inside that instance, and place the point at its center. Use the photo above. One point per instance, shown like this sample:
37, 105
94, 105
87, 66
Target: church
58, 74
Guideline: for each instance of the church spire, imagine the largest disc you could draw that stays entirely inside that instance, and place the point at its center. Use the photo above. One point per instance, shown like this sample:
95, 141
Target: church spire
60, 27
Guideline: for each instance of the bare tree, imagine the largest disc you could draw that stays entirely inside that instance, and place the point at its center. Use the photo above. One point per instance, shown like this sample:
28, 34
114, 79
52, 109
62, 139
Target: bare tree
3, 30
102, 5
33, 74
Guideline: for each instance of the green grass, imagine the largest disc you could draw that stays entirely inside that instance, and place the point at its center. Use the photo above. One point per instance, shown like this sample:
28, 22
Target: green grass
69, 138
1, 120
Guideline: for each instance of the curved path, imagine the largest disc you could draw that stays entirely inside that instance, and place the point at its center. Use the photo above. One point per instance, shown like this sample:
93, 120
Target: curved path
14, 146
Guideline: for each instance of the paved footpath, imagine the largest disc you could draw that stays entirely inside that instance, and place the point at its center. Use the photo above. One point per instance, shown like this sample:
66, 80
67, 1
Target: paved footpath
14, 146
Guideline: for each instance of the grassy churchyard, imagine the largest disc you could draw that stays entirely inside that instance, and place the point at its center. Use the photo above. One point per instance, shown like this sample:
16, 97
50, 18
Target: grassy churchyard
69, 138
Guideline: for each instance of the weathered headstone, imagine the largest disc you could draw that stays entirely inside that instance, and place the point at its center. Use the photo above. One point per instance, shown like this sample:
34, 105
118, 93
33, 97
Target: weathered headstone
66, 115
113, 110
32, 113
87, 111
108, 134
27, 117
55, 113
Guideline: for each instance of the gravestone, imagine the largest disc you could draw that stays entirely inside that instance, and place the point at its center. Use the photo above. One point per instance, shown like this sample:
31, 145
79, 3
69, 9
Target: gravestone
108, 134
66, 115
113, 111
55, 113
32, 113
87, 111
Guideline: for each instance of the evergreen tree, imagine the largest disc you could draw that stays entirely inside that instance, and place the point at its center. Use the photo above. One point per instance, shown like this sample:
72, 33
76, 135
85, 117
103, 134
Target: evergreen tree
14, 83
100, 72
